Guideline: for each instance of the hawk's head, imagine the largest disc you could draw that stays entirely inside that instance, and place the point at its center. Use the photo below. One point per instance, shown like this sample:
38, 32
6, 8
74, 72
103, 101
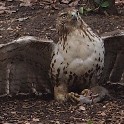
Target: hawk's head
68, 20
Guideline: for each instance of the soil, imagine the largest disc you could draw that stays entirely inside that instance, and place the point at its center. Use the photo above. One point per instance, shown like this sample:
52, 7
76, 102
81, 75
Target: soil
39, 20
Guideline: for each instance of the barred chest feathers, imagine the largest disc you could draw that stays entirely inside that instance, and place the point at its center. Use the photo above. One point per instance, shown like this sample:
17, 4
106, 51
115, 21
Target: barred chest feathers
78, 55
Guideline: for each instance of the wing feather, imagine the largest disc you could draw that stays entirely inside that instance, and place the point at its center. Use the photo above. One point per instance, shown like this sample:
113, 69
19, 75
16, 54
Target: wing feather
114, 55
24, 65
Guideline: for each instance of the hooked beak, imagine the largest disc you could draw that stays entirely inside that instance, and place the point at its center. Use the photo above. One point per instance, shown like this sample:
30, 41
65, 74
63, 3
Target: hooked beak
74, 16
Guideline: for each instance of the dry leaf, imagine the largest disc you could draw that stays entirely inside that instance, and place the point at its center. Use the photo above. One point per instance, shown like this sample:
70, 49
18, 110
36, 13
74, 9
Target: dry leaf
22, 19
65, 1
36, 119
57, 122
13, 112
82, 108
103, 113
2, 8
27, 2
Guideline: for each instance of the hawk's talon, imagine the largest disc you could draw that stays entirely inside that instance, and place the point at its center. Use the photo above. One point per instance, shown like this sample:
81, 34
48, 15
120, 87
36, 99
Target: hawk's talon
74, 97
85, 97
88, 96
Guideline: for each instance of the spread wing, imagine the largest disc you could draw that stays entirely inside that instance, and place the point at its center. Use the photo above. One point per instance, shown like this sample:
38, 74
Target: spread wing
24, 65
114, 55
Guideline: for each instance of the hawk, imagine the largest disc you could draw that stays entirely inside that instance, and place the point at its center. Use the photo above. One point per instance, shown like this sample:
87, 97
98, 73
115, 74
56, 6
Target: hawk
78, 58
76, 62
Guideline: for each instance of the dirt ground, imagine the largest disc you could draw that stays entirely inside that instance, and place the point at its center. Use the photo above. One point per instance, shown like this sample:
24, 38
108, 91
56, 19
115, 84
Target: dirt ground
39, 20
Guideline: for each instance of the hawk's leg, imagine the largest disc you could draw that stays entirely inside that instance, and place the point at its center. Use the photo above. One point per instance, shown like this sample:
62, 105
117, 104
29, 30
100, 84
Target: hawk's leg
60, 92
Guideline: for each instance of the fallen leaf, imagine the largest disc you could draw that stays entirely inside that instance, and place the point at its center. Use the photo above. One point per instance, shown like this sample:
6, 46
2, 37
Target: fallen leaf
57, 122
103, 113
13, 112
26, 123
2, 8
65, 1
36, 119
1, 11
22, 19
27, 2
82, 108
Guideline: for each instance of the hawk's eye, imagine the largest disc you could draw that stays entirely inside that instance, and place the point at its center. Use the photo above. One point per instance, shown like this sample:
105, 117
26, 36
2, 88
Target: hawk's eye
64, 16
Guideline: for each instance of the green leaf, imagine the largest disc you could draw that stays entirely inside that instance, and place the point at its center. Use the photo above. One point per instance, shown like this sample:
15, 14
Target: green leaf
105, 4
81, 10
97, 1
89, 122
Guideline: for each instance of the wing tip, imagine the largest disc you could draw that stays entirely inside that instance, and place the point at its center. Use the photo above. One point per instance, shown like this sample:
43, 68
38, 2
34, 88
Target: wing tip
25, 40
31, 38
114, 33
